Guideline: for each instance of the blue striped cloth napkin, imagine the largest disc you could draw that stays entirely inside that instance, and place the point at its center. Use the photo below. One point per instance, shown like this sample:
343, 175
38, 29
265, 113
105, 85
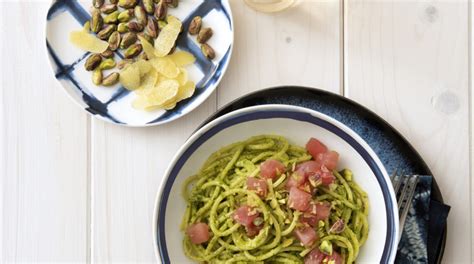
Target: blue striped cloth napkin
423, 232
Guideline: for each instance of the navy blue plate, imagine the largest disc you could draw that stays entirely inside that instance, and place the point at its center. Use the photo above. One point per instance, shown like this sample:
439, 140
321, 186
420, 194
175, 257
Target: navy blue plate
390, 146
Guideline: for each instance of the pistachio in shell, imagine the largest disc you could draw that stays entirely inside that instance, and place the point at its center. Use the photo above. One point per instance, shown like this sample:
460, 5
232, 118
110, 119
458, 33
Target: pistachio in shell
92, 62
204, 35
195, 25
128, 39
111, 79
132, 51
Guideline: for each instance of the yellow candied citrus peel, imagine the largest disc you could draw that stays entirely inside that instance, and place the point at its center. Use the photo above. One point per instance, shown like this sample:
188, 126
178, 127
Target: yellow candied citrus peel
165, 66
182, 58
185, 91
182, 77
87, 42
167, 37
144, 67
158, 96
149, 50
130, 77
148, 82
158, 83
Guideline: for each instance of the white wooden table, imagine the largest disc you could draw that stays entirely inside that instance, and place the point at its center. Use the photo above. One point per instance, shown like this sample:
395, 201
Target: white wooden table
76, 189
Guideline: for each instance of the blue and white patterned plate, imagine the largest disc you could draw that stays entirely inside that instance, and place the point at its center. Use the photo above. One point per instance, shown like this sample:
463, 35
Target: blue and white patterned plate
113, 104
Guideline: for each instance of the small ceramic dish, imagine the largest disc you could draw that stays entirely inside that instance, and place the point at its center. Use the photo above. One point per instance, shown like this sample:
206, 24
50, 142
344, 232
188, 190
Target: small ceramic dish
114, 104
297, 124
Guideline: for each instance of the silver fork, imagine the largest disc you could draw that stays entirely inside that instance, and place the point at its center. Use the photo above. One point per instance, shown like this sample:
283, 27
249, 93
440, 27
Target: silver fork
407, 183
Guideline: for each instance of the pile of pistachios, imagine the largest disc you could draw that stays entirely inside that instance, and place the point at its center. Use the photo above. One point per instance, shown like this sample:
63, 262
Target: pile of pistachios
203, 35
120, 22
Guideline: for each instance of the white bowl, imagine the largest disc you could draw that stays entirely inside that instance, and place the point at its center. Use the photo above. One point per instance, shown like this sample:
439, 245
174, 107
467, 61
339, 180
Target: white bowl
297, 124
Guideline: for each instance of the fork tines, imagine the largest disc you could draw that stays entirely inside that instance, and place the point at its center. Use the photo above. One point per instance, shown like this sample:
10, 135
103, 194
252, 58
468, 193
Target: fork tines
404, 187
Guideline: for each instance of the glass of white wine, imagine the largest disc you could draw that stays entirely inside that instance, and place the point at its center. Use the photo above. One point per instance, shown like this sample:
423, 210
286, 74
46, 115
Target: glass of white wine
270, 6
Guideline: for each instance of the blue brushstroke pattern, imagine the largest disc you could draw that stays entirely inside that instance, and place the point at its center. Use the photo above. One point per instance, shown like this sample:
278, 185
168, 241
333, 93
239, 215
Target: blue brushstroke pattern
95, 106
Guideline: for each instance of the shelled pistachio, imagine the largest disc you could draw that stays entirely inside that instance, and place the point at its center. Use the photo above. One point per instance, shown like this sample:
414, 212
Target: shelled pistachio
114, 40
96, 21
195, 25
97, 77
111, 79
92, 62
132, 51
208, 51
108, 8
128, 39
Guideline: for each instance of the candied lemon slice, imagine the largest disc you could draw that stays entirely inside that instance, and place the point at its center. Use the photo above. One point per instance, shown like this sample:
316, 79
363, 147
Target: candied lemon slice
165, 66
143, 66
130, 77
182, 58
163, 93
87, 42
155, 98
140, 102
169, 106
186, 91
149, 50
182, 77
167, 37
148, 81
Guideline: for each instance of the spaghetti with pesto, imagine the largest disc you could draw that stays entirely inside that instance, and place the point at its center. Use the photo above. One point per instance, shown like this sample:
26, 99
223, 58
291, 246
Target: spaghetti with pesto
264, 200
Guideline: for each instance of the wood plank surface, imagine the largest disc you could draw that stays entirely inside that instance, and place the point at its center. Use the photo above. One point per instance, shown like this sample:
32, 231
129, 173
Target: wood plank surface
299, 46
408, 61
77, 189
43, 148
